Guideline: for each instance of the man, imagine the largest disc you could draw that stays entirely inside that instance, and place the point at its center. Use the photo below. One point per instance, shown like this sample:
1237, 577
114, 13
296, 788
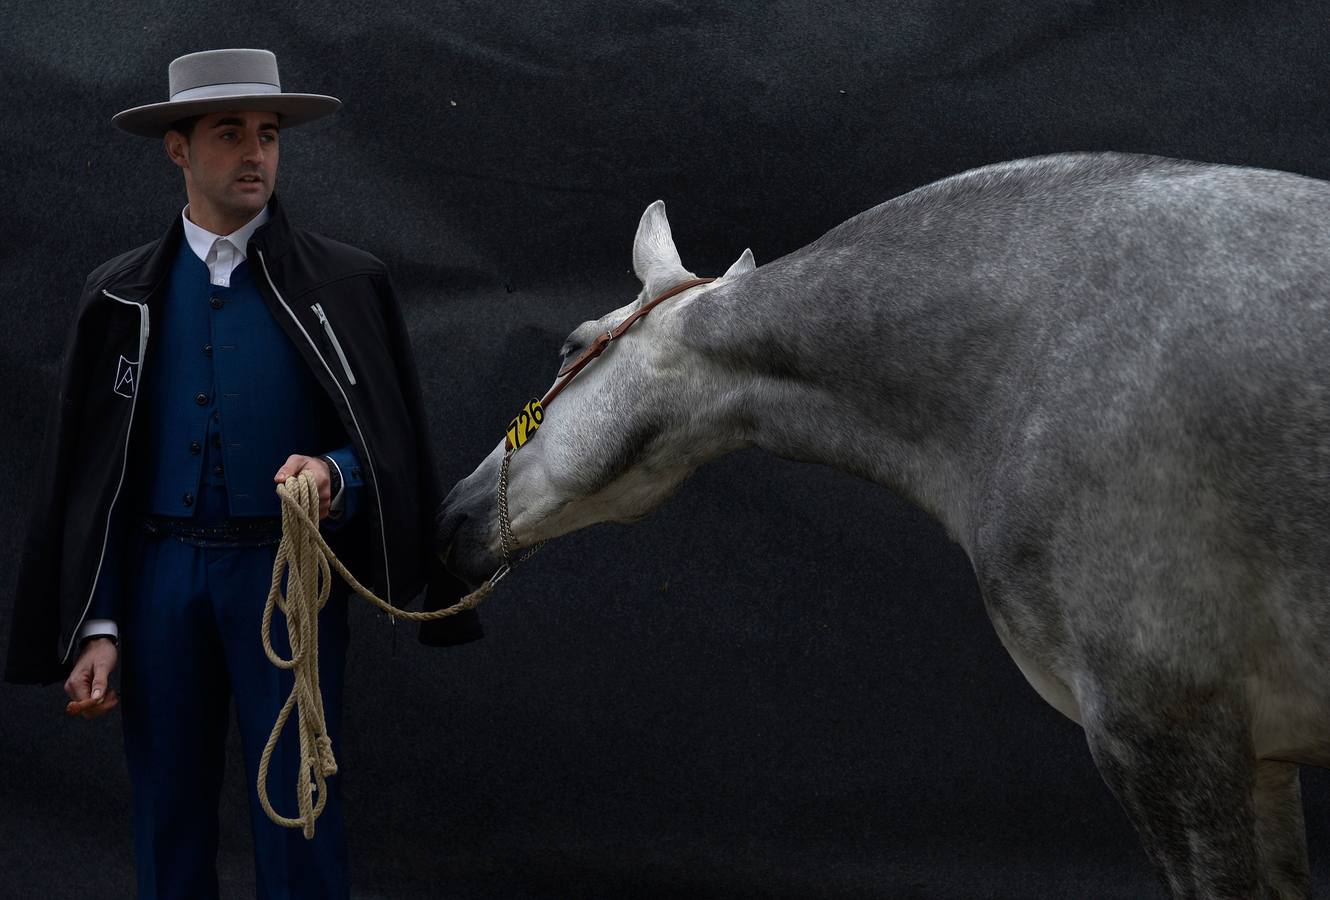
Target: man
235, 352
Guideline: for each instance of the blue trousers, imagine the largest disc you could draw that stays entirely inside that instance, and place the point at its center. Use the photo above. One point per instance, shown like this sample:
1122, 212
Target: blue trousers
190, 642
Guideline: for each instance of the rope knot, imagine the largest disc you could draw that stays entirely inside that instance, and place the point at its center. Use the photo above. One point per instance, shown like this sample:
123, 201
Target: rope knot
326, 761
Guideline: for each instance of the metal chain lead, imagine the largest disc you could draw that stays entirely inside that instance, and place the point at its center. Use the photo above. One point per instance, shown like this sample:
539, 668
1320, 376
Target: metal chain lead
505, 525
506, 539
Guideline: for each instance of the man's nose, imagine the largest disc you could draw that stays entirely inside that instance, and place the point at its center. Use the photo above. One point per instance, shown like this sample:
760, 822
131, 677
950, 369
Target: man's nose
253, 149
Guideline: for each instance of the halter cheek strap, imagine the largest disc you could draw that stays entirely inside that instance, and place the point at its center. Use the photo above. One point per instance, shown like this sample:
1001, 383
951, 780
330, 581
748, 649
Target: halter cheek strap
530, 418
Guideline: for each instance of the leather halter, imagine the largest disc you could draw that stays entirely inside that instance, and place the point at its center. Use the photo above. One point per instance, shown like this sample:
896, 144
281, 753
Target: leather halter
597, 347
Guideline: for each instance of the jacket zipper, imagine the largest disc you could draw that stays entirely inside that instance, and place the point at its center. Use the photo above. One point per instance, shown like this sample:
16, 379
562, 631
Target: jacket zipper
337, 345
383, 538
124, 464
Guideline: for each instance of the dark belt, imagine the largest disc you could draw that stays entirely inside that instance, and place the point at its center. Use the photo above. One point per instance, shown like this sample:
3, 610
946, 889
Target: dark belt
265, 532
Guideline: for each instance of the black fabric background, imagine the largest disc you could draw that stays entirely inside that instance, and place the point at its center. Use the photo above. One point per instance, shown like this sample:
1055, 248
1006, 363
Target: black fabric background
782, 684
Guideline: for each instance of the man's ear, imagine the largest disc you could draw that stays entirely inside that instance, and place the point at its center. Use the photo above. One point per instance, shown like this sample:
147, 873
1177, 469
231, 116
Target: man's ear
177, 148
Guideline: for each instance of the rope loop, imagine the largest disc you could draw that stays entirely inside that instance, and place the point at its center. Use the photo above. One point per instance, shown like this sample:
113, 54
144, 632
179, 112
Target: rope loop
305, 563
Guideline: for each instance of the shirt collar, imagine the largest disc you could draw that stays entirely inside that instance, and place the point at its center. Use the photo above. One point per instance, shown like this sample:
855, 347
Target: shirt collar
201, 240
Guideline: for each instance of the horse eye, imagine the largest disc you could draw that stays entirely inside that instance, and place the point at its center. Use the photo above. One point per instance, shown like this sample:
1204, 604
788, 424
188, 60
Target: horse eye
576, 342
567, 355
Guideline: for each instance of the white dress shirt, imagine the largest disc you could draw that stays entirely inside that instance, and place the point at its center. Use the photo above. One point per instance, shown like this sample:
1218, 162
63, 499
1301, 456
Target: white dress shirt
221, 253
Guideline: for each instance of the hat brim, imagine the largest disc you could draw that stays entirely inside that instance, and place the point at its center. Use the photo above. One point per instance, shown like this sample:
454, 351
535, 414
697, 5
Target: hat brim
154, 119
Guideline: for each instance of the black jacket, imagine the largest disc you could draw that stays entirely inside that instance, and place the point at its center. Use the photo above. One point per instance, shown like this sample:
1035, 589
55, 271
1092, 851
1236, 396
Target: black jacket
81, 474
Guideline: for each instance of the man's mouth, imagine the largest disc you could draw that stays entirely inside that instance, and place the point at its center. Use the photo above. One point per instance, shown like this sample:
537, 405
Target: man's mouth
250, 179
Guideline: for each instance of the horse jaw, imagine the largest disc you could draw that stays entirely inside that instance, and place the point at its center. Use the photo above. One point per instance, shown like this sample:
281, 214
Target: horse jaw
661, 427
543, 505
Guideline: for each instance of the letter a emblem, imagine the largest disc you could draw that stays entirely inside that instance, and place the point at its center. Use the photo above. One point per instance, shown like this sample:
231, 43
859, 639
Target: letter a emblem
125, 382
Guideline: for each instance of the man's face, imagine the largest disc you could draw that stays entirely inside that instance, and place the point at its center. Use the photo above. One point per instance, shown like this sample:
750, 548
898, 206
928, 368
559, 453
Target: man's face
230, 166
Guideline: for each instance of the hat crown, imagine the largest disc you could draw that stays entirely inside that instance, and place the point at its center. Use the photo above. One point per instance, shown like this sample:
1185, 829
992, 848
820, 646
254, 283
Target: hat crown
212, 69
211, 81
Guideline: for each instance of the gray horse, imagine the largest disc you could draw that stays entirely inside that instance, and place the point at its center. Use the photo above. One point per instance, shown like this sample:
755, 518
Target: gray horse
1108, 376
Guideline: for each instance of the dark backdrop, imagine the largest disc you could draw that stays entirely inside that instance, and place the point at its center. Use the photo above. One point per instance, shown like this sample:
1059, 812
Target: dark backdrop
783, 684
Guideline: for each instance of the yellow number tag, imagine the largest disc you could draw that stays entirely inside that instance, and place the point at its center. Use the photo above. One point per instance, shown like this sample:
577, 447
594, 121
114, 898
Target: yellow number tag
525, 424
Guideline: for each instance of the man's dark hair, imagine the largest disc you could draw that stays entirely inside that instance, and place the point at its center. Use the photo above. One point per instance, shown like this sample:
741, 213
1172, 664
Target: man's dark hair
185, 126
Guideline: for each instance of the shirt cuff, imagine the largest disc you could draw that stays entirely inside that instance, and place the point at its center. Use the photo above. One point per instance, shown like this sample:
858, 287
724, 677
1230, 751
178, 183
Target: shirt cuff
338, 504
99, 628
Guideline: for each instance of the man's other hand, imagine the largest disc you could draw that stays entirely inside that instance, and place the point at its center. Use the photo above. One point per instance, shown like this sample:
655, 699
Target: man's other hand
86, 686
295, 464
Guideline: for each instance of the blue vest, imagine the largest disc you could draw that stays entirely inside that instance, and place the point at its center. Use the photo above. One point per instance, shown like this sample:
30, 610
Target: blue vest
225, 398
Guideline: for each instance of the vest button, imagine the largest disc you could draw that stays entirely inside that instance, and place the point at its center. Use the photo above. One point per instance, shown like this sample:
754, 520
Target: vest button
215, 302
188, 499
201, 399
207, 349
195, 448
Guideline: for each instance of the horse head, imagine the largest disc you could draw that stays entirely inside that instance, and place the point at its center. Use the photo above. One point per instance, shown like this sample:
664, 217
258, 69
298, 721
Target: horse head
623, 434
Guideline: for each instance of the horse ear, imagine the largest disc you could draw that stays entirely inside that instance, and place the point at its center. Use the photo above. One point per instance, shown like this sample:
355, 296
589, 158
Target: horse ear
743, 265
655, 258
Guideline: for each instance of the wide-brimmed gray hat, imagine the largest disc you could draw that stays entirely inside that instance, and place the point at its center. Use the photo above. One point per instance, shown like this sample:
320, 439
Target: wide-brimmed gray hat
217, 80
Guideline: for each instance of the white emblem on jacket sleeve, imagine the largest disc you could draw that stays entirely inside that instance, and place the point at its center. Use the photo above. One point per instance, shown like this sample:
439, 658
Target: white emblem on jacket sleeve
125, 378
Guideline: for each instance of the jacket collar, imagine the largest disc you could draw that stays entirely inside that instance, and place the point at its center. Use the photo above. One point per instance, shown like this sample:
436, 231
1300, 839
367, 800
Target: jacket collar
274, 236
147, 271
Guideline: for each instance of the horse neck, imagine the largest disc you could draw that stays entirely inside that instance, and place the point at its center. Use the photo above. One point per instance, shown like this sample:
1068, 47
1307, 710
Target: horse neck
905, 383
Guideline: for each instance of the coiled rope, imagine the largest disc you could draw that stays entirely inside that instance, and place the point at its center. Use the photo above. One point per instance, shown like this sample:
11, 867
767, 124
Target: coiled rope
306, 562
